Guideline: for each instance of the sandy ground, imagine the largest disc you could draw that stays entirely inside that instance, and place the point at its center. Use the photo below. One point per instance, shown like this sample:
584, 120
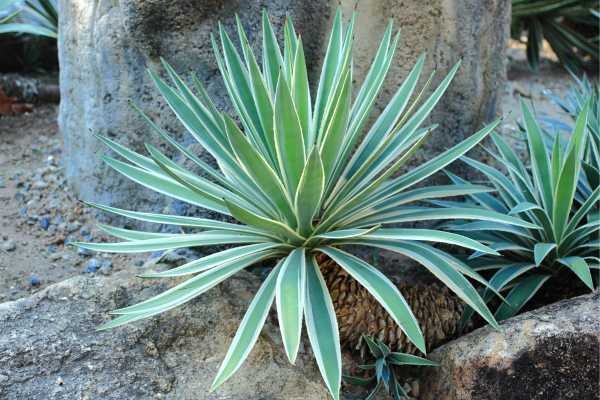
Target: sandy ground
38, 216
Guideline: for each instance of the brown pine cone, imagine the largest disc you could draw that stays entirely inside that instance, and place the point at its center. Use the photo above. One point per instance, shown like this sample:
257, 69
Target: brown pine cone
358, 313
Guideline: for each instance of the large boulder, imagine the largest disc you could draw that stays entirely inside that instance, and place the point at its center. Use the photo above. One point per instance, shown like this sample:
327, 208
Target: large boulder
49, 348
549, 353
448, 31
105, 47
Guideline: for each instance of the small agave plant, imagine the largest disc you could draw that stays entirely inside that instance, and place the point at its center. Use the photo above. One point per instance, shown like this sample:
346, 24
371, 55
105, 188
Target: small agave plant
385, 375
544, 195
302, 178
583, 92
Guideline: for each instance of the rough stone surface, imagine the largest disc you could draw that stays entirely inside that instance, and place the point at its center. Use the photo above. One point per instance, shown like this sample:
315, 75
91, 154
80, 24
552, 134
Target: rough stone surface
49, 348
448, 31
105, 47
549, 353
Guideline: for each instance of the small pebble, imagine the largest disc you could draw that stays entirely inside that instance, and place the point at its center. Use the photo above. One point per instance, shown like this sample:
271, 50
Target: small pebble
139, 263
92, 266
84, 231
55, 256
34, 280
44, 223
52, 248
9, 245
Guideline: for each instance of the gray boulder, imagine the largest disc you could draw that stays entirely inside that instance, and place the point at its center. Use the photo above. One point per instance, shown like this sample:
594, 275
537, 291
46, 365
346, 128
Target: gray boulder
106, 46
549, 353
49, 348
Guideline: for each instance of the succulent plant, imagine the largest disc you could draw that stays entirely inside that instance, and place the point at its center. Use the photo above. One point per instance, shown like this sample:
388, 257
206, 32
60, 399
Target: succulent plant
385, 362
302, 178
569, 26
583, 91
543, 194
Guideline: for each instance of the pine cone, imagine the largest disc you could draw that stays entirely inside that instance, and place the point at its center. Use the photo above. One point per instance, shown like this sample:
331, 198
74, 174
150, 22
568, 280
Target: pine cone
358, 313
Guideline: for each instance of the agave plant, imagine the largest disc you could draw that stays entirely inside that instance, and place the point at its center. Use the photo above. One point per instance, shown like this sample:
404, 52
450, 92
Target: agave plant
569, 26
302, 178
544, 195
582, 93
385, 376
37, 17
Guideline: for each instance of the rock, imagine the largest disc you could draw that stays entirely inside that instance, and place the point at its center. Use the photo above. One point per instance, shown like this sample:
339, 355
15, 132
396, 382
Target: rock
9, 245
172, 356
106, 267
44, 223
34, 280
549, 353
134, 34
92, 265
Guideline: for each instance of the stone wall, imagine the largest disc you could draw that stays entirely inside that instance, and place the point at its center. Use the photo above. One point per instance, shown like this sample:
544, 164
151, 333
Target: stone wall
106, 46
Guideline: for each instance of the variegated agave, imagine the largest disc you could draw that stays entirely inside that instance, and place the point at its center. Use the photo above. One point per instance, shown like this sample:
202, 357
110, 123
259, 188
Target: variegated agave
582, 92
300, 181
546, 195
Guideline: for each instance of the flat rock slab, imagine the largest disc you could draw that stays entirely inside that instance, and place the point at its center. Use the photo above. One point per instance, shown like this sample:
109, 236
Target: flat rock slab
549, 353
49, 348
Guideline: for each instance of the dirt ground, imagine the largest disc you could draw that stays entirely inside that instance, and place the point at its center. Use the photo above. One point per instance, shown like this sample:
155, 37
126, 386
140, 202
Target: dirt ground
38, 216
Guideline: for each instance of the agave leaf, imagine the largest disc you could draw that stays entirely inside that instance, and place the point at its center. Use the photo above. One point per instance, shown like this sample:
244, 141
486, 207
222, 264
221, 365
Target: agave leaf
332, 137
249, 329
301, 95
569, 175
519, 295
207, 238
259, 170
386, 293
291, 292
409, 359
289, 138
129, 234
247, 217
540, 162
310, 191
428, 235
322, 328
177, 295
442, 270
437, 163
580, 267
217, 259
164, 185
541, 250
272, 60
330, 65
178, 220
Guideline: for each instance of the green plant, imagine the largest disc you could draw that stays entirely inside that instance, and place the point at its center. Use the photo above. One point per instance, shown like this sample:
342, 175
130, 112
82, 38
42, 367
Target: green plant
569, 26
38, 17
544, 195
300, 182
580, 94
385, 361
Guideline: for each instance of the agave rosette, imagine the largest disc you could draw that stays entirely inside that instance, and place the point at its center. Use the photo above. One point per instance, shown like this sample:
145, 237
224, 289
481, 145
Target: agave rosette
301, 177
584, 91
545, 195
